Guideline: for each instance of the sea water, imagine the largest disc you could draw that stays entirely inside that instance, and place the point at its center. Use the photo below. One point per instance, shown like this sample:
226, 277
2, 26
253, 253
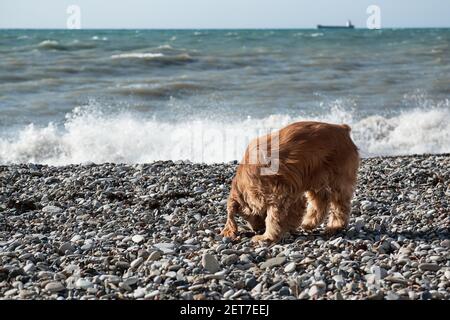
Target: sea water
133, 96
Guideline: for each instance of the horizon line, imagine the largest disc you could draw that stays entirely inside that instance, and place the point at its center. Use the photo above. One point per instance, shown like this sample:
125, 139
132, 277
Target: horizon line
225, 28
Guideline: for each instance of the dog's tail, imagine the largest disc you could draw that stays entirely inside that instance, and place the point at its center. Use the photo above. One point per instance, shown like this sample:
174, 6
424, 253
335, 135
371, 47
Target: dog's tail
346, 127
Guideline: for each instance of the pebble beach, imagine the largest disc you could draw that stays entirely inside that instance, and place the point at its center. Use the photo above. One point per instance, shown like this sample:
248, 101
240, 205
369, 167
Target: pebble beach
152, 231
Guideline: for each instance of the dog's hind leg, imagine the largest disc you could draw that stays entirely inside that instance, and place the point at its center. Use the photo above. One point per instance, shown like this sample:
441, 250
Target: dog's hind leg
274, 224
341, 196
340, 209
296, 213
231, 228
319, 203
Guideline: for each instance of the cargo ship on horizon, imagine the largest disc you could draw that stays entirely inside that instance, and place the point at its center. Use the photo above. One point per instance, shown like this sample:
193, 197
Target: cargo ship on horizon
348, 26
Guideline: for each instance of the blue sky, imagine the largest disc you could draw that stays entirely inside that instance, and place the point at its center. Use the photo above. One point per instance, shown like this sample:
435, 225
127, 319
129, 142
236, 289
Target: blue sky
222, 13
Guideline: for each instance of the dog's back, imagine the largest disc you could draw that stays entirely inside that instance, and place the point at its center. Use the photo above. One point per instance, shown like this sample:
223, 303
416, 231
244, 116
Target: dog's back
303, 148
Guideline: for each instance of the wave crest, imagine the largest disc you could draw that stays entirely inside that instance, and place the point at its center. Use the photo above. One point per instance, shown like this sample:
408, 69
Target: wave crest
137, 55
92, 135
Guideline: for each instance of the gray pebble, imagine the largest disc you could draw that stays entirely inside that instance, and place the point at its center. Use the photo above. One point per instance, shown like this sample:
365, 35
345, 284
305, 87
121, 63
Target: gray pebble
273, 262
429, 267
210, 263
54, 287
290, 267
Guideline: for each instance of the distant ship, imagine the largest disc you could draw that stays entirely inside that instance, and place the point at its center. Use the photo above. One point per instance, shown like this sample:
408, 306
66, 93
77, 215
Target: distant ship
348, 26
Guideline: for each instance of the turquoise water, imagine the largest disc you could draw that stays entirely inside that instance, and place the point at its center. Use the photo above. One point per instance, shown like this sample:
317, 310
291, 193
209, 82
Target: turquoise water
129, 95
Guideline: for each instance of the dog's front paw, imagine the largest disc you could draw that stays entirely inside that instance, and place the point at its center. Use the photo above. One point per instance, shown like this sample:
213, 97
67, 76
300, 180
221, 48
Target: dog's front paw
308, 226
261, 238
229, 232
335, 225
258, 238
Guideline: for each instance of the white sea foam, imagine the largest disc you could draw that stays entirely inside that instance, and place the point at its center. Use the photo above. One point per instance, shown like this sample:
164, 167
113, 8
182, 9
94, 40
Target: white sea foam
49, 44
97, 38
165, 47
129, 138
137, 55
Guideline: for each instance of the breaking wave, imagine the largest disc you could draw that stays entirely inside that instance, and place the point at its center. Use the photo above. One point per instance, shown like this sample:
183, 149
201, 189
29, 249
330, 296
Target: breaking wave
89, 135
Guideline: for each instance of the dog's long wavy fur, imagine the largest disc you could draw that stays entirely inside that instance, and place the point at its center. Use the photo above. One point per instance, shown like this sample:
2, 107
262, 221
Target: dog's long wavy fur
318, 164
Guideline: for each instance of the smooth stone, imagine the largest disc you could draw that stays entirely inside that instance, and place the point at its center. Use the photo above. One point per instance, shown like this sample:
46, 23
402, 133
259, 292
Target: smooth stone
187, 295
230, 259
83, 284
220, 247
338, 296
426, 295
157, 279
273, 262
412, 295
139, 293
371, 278
314, 291
11, 292
429, 267
367, 205
258, 288
110, 278
75, 238
290, 267
392, 296
304, 295
25, 293
226, 240
191, 241
125, 287
52, 209
136, 262
284, 291
152, 294
165, 247
277, 286
122, 265
171, 274
338, 278
87, 246
359, 224
339, 281
245, 258
29, 267
237, 294
54, 287
154, 256
447, 274
396, 279
445, 243
66, 248
336, 242
250, 283
228, 294
137, 238
131, 281
376, 296
379, 272
210, 263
